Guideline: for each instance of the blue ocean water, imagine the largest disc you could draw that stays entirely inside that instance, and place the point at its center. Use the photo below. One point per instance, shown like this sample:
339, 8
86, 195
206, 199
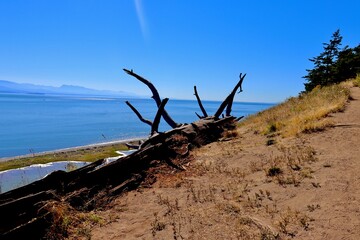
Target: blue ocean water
37, 123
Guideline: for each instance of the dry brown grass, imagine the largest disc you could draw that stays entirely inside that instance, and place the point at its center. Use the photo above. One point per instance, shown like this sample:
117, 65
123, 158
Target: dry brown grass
66, 221
292, 165
225, 202
305, 113
356, 81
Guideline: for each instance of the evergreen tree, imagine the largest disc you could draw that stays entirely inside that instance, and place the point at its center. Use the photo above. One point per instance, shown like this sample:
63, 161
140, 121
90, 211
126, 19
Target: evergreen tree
324, 71
348, 63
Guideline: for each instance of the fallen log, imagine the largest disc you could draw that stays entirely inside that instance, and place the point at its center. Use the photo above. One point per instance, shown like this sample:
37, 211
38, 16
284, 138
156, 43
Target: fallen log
86, 189
24, 213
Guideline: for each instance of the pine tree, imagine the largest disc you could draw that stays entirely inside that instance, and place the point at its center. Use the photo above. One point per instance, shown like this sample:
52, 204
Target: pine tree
348, 63
324, 72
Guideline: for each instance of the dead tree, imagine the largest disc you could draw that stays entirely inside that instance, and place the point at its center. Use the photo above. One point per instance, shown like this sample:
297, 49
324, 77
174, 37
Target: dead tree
227, 103
230, 99
25, 212
161, 109
155, 96
200, 104
148, 122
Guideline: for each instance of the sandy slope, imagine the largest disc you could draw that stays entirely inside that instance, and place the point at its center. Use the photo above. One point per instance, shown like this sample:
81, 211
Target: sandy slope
227, 192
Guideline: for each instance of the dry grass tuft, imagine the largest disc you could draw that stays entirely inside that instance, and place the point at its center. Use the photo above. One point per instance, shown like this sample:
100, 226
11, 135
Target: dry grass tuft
290, 220
231, 134
291, 166
305, 113
356, 81
66, 221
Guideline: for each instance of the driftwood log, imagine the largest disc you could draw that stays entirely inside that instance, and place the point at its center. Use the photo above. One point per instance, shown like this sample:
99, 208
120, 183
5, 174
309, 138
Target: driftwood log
26, 212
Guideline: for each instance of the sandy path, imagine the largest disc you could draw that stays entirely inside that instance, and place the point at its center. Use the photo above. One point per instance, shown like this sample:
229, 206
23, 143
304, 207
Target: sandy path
226, 193
339, 196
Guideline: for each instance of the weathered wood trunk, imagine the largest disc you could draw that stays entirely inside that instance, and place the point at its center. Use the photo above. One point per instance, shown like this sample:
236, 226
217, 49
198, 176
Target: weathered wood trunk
22, 210
25, 213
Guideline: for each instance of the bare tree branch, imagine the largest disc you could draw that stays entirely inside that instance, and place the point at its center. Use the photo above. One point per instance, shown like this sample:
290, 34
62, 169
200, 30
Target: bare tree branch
229, 106
229, 99
239, 118
200, 117
132, 146
200, 104
155, 96
241, 81
138, 114
155, 126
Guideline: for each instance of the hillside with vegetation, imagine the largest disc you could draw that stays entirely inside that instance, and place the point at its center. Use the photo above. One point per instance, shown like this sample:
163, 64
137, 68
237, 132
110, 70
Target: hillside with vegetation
334, 64
280, 175
290, 172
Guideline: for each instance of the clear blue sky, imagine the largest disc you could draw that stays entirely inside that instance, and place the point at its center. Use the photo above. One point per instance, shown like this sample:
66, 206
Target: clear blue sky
176, 44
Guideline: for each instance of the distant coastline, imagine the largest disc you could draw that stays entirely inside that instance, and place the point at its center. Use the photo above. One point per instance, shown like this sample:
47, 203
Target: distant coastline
64, 90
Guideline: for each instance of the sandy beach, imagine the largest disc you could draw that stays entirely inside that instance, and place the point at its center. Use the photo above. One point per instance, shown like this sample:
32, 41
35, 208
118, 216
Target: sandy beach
90, 147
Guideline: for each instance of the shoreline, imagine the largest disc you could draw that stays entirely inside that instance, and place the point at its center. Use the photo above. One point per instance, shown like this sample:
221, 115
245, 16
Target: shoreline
72, 149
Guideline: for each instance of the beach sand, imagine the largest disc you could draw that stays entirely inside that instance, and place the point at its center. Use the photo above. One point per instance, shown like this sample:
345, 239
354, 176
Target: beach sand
90, 147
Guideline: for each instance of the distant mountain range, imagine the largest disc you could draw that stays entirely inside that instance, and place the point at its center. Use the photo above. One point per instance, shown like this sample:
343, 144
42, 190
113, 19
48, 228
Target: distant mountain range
27, 88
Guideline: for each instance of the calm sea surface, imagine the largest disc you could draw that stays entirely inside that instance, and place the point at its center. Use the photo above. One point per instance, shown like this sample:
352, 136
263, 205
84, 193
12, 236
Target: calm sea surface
37, 123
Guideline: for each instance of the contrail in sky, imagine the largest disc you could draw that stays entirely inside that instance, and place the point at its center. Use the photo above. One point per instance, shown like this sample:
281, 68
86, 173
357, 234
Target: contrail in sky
141, 18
